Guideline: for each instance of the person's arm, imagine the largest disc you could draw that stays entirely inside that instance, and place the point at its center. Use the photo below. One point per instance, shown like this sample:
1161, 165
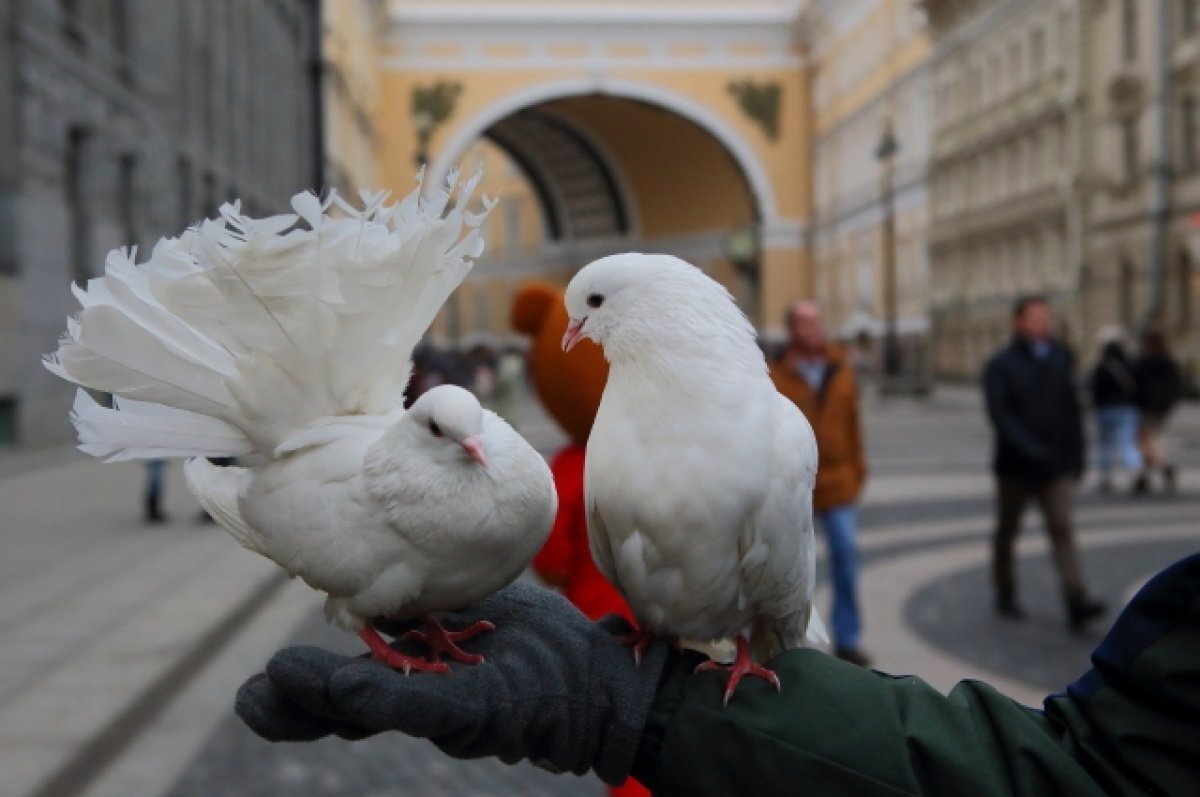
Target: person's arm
841, 729
1008, 426
563, 692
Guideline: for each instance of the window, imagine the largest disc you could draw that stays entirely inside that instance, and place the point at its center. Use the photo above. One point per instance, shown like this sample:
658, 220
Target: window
1130, 148
127, 200
1037, 52
73, 185
1183, 293
1189, 12
1129, 29
1125, 277
1188, 129
184, 170
1014, 64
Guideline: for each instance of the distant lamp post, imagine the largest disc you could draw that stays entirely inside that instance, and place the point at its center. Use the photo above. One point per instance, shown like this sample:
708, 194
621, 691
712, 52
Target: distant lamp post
742, 250
885, 153
432, 105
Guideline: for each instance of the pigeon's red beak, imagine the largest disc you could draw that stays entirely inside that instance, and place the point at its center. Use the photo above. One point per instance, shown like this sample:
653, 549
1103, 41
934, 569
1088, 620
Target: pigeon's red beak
573, 334
474, 447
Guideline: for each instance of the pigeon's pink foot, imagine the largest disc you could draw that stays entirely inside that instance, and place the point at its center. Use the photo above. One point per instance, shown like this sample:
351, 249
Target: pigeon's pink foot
381, 651
441, 640
742, 665
640, 639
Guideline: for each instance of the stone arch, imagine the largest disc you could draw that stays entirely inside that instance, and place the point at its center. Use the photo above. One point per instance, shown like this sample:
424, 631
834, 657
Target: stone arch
757, 178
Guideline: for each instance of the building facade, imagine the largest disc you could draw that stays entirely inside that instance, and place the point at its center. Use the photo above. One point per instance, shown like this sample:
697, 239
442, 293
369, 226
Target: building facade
1145, 100
868, 62
1009, 171
125, 120
350, 94
677, 126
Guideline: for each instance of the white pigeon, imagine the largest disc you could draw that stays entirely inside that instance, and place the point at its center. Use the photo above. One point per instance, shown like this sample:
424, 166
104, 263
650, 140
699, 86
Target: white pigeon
699, 474
289, 344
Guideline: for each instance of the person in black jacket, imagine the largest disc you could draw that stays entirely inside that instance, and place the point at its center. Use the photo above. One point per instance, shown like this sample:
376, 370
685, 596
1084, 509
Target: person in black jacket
1114, 399
1159, 387
1031, 399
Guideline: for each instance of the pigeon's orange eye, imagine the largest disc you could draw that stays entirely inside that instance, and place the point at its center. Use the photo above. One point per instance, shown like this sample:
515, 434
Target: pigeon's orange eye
595, 300
435, 429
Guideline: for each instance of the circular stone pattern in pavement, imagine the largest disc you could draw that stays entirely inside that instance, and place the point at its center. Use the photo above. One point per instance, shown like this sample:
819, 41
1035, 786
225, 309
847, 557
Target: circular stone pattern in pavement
954, 613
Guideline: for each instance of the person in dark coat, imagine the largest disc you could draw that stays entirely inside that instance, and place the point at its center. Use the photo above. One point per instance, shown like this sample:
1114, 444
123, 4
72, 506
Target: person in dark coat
561, 691
1114, 400
1159, 388
1030, 390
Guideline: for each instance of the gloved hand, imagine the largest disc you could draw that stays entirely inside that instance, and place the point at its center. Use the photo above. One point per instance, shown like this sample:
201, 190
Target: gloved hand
555, 688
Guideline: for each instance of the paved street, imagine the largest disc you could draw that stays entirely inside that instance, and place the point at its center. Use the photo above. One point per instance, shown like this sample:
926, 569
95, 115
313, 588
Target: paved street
121, 645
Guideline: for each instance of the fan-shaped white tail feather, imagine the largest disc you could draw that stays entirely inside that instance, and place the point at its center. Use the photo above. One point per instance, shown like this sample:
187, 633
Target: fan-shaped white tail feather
264, 327
138, 430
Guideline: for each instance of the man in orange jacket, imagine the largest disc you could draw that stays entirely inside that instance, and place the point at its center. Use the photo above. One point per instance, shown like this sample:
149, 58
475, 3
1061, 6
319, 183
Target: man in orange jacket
819, 379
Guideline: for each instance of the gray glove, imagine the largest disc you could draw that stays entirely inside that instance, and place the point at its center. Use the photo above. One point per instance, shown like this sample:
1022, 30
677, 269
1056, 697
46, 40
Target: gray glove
555, 688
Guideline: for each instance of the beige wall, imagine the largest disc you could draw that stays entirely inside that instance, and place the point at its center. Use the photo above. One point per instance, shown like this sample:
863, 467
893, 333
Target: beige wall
1009, 162
350, 94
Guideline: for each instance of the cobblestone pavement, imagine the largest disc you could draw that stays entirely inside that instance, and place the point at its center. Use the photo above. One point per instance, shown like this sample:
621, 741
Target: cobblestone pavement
925, 528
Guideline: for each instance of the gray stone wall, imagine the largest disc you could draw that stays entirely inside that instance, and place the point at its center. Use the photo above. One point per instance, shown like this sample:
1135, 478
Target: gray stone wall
129, 119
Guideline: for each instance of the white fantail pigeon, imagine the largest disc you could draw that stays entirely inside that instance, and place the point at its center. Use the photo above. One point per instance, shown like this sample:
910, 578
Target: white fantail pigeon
287, 341
699, 475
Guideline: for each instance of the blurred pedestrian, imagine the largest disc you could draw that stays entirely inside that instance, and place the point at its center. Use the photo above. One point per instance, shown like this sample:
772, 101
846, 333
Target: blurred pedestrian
1159, 388
152, 492
819, 379
1114, 399
1030, 390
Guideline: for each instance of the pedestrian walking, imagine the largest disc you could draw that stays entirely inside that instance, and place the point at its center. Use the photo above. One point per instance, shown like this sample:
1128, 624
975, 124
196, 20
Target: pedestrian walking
1030, 390
1159, 388
152, 492
819, 379
1114, 401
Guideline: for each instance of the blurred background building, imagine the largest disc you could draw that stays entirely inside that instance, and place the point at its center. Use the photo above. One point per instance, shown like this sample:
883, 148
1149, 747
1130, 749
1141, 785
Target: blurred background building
1144, 98
656, 125
872, 119
122, 121
912, 164
1010, 160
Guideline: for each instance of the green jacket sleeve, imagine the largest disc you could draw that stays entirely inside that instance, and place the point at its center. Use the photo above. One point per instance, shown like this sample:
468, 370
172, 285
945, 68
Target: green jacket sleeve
1130, 725
842, 730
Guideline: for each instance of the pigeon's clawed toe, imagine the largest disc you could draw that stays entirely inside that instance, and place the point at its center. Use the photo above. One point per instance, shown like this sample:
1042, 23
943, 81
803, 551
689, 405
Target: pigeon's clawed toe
639, 639
384, 653
742, 666
442, 640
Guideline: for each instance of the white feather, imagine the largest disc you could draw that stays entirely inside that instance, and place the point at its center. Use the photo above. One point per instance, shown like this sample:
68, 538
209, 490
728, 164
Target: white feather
138, 430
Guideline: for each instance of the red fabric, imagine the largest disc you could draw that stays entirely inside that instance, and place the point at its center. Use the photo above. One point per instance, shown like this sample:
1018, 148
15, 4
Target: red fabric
566, 560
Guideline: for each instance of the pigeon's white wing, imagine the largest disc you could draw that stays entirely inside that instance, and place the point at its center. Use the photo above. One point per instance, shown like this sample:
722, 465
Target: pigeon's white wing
217, 488
268, 325
601, 544
776, 545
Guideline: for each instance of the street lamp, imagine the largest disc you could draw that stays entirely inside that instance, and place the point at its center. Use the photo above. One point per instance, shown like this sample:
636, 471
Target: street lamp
885, 153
